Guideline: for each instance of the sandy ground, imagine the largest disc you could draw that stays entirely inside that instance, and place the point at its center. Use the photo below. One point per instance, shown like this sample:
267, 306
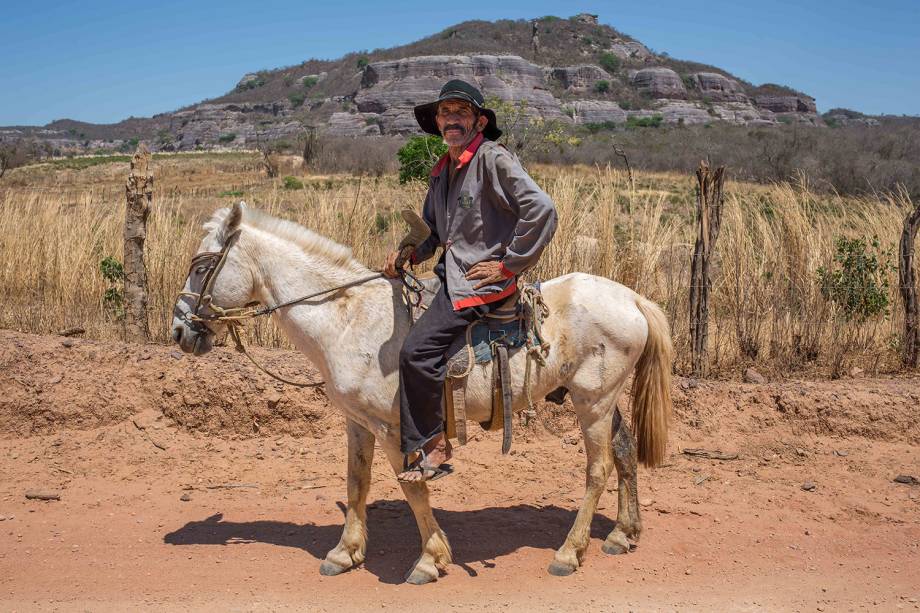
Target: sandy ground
124, 433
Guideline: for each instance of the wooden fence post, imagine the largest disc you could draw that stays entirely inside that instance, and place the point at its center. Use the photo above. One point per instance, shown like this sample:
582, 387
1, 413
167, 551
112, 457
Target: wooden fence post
138, 193
709, 217
907, 280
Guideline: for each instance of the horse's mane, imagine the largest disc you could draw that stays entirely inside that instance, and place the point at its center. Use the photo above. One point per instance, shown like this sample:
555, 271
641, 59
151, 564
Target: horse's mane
312, 244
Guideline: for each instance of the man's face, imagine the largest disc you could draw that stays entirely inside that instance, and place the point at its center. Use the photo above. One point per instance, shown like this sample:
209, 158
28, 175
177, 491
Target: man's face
458, 122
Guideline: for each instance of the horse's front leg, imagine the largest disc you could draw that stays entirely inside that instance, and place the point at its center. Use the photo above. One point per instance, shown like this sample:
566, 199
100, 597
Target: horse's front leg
353, 544
436, 554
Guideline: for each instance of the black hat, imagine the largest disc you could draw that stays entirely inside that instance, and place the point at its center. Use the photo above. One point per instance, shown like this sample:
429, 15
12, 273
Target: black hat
456, 90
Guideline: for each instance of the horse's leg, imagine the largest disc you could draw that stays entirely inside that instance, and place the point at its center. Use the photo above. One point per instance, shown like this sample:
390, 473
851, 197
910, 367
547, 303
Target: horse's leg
595, 425
436, 554
629, 523
351, 548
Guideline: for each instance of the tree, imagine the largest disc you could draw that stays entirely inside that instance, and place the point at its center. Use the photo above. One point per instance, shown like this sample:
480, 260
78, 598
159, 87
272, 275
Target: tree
417, 157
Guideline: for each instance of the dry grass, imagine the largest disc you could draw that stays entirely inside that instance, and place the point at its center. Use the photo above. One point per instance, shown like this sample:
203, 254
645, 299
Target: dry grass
56, 225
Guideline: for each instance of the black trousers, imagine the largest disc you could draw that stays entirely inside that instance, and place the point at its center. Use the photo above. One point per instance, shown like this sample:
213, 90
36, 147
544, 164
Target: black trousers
423, 366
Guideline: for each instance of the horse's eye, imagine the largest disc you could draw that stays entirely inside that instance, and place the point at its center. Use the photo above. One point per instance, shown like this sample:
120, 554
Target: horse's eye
200, 270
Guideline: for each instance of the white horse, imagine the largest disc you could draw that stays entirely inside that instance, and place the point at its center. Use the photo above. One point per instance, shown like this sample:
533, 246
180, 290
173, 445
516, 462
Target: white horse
600, 332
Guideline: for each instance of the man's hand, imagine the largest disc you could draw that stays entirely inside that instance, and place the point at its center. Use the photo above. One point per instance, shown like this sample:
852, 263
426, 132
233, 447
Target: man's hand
489, 272
389, 269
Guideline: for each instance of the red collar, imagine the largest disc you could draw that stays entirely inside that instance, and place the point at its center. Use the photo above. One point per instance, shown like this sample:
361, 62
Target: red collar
465, 157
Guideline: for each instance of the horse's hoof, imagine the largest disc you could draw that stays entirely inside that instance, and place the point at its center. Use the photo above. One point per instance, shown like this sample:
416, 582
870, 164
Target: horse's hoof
331, 569
560, 569
420, 577
616, 544
614, 549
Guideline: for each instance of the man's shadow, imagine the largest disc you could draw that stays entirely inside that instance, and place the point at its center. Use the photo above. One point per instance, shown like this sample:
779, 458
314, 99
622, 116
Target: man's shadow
480, 535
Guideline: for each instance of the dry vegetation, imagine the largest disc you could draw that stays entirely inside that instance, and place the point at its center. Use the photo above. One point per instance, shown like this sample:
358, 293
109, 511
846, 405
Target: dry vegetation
58, 223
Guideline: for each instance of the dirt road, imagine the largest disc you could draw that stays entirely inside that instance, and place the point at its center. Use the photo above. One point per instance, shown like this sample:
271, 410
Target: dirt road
200, 486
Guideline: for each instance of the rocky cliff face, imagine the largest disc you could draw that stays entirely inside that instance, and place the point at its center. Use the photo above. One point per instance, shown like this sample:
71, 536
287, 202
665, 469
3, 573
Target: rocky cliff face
389, 90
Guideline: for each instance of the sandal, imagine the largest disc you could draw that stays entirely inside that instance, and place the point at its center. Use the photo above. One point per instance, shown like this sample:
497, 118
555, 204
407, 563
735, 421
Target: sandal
429, 473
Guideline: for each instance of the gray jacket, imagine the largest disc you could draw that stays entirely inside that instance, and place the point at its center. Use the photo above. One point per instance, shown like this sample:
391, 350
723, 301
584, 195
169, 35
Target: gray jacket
491, 211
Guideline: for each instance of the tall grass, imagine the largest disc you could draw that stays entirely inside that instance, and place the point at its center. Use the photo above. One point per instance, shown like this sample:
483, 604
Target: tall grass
766, 306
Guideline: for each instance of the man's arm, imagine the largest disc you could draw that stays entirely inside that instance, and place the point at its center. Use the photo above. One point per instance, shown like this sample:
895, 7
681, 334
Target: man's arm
536, 213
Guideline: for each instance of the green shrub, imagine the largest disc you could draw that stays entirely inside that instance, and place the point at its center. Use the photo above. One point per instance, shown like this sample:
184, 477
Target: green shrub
226, 138
362, 62
858, 284
230, 193
594, 128
297, 99
113, 299
602, 86
609, 62
292, 183
644, 122
309, 82
418, 156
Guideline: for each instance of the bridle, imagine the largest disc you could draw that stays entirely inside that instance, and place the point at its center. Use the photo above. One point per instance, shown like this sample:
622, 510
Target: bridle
197, 319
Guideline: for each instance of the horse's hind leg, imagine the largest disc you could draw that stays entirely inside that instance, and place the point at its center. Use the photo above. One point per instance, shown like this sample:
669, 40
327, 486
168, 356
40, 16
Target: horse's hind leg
629, 523
595, 425
351, 548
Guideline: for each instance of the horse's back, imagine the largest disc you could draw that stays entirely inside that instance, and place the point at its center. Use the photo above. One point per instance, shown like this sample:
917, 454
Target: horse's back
593, 309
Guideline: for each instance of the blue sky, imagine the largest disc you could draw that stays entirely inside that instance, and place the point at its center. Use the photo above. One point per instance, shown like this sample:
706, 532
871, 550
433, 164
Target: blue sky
103, 61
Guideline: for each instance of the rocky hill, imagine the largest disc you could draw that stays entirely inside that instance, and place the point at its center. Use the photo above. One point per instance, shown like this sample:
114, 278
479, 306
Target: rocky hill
574, 70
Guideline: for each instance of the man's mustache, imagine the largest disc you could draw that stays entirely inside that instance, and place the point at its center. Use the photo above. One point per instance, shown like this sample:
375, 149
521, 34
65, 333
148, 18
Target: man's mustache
454, 126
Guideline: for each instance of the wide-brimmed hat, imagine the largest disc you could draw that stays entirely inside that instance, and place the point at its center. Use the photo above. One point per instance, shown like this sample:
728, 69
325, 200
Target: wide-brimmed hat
456, 90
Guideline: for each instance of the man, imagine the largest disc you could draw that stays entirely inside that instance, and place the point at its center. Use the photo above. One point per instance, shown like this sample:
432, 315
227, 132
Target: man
493, 223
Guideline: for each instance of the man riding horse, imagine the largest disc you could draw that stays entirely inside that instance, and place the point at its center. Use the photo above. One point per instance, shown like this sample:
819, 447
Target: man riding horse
493, 222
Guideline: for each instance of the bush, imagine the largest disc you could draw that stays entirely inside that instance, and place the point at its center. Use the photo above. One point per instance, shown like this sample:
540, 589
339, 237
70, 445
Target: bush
602, 86
226, 138
858, 285
644, 122
362, 62
292, 183
309, 82
609, 62
296, 99
418, 156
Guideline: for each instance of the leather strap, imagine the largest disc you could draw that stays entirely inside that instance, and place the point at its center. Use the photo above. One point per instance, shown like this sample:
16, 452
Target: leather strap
458, 398
506, 399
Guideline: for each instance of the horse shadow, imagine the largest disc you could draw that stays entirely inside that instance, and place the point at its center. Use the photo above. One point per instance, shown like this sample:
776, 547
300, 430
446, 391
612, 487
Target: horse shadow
476, 536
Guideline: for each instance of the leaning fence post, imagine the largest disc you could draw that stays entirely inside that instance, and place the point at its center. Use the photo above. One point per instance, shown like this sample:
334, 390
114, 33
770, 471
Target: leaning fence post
138, 193
907, 280
709, 217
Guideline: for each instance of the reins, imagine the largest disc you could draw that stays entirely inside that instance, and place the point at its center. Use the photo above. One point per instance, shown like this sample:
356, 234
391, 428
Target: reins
234, 318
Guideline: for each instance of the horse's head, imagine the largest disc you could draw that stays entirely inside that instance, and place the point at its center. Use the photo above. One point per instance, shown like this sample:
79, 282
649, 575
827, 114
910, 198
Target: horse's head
217, 279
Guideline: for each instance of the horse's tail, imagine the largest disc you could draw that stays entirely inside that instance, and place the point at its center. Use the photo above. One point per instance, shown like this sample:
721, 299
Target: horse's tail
651, 410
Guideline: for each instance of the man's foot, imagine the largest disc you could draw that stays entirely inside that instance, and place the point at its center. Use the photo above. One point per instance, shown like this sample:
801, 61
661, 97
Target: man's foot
431, 463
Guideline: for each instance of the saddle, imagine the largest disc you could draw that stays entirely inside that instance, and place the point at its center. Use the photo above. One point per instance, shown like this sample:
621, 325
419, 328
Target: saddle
514, 323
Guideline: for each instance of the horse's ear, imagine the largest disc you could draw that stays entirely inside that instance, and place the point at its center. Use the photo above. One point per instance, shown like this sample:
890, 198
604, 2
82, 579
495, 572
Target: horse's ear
233, 221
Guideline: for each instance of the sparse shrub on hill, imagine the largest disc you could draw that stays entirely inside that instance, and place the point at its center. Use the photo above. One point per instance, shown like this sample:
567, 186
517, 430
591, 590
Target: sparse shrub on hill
602, 86
418, 156
297, 99
309, 82
226, 138
609, 62
644, 122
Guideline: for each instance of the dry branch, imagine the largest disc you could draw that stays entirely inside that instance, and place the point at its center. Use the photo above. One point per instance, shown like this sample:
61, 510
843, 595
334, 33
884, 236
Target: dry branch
907, 277
139, 193
709, 215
